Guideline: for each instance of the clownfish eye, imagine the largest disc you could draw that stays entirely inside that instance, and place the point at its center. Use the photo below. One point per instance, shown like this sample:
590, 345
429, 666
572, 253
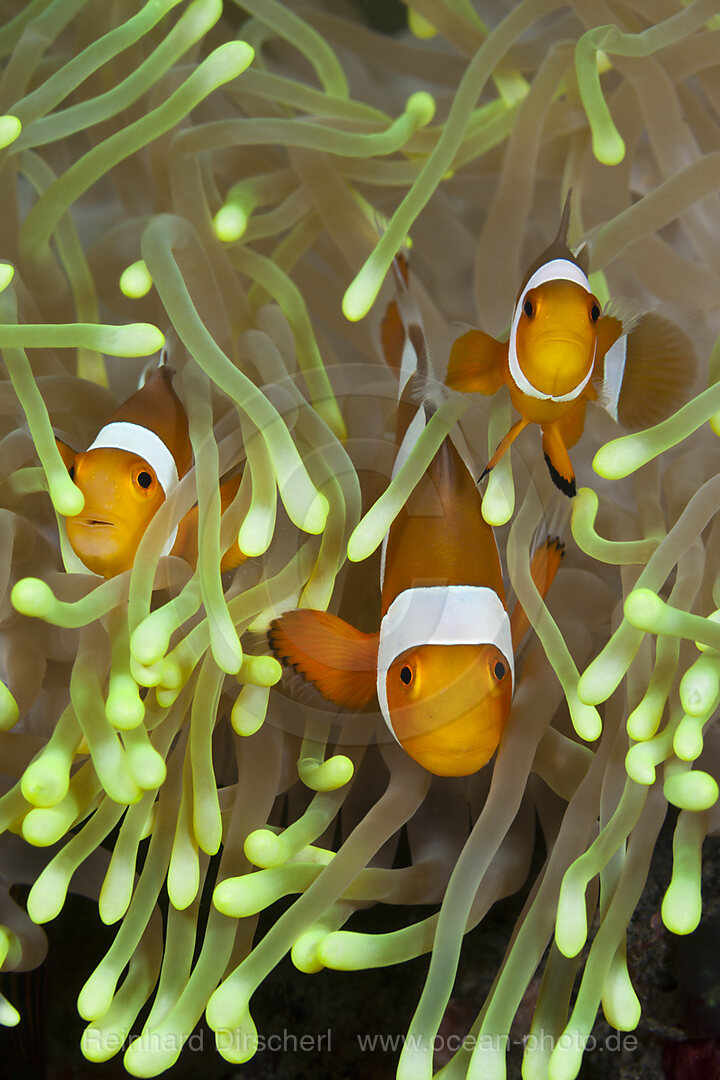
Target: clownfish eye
529, 309
595, 313
406, 675
144, 479
499, 670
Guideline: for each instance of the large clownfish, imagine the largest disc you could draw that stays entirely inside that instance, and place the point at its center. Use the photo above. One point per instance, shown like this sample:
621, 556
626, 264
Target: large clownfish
126, 474
564, 351
442, 662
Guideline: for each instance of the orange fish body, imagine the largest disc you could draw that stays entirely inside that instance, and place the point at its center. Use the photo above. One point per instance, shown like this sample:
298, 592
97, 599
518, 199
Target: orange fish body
126, 474
445, 657
442, 663
564, 352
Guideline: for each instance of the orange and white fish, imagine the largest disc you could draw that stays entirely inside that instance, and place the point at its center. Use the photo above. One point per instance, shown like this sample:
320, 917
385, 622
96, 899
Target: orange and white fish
126, 474
442, 662
563, 351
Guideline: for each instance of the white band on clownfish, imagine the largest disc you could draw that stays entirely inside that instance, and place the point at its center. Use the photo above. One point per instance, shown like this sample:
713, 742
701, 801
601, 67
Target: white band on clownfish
614, 363
441, 615
136, 439
140, 440
555, 270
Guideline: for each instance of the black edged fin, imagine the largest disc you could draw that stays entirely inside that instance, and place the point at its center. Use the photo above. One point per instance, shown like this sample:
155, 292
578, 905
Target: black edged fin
325, 651
568, 487
558, 460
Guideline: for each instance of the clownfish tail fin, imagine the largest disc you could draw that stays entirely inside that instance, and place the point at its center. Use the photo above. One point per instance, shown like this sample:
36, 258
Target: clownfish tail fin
648, 373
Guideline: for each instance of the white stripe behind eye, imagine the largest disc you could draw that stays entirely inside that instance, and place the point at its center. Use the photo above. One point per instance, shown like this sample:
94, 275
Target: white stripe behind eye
441, 615
555, 270
139, 440
146, 444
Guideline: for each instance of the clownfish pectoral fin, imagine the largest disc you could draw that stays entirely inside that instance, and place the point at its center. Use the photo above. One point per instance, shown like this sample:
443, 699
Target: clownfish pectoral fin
503, 445
66, 453
340, 661
649, 373
186, 542
476, 364
609, 329
543, 568
558, 460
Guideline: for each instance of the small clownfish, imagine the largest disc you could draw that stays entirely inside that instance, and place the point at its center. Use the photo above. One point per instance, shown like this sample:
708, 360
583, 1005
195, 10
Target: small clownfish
442, 662
563, 351
131, 467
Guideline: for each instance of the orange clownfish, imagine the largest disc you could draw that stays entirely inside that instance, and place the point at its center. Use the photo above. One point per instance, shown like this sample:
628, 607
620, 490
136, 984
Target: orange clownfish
564, 351
442, 661
131, 467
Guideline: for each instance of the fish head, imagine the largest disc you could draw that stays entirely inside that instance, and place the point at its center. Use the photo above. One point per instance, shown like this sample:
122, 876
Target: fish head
556, 336
449, 705
122, 493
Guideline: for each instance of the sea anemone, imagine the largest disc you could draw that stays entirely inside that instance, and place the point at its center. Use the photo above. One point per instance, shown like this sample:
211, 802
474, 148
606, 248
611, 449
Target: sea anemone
235, 183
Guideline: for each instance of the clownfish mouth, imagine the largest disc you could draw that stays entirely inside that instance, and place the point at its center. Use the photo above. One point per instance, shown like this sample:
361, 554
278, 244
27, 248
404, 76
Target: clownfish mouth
95, 522
564, 337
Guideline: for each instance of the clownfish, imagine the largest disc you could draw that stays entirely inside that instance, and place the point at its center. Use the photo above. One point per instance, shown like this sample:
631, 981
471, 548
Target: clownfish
442, 662
564, 351
126, 474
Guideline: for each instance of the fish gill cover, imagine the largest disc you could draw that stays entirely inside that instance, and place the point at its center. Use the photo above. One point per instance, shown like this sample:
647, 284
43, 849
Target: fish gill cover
235, 182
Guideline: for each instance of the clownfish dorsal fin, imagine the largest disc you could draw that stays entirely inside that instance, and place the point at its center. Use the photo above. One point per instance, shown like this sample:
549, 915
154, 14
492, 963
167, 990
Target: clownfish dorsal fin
150, 368
338, 660
66, 453
157, 407
562, 235
582, 258
392, 328
392, 337
405, 347
558, 249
